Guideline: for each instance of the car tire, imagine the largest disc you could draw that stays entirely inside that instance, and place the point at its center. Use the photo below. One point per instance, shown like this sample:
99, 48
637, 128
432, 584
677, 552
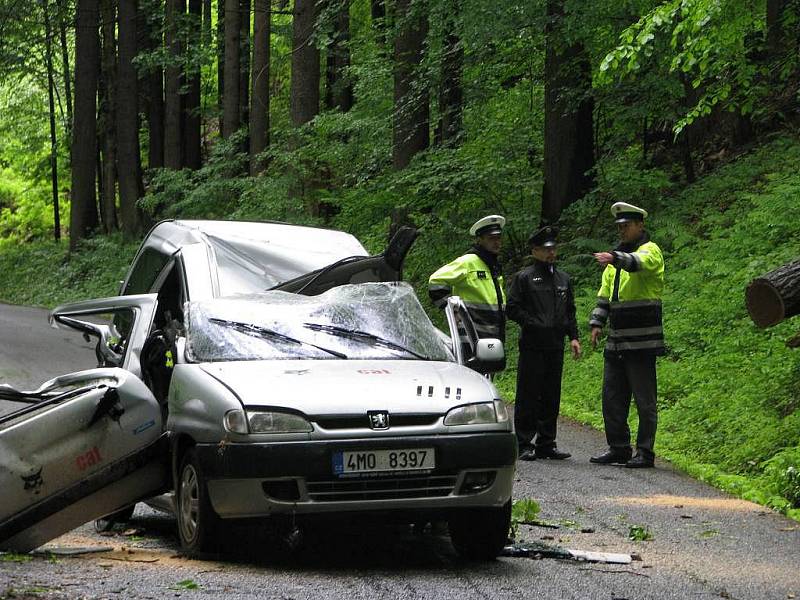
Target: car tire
480, 533
107, 523
198, 524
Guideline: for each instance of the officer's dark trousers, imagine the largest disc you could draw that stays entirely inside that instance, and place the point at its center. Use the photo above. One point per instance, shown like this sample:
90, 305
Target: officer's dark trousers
625, 374
538, 397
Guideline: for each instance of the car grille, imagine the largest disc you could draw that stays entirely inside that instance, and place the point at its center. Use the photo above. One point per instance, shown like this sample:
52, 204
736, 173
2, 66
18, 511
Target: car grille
383, 488
362, 421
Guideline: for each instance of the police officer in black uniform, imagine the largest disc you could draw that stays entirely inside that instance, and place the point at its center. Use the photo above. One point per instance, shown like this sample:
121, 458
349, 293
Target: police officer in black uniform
541, 301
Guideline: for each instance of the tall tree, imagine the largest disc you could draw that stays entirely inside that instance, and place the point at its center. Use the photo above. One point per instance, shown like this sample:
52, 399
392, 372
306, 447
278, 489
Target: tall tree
244, 62
52, 110
411, 124
62, 33
152, 79
192, 137
568, 123
338, 88
129, 160
83, 215
259, 107
304, 87
173, 80
220, 40
451, 93
108, 114
378, 14
230, 99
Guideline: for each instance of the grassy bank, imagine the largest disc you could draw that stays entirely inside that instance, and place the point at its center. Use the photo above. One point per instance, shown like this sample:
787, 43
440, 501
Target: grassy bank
729, 393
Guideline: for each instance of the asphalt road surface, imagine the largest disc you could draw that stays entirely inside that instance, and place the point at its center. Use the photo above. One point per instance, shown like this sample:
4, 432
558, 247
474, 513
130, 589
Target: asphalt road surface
704, 544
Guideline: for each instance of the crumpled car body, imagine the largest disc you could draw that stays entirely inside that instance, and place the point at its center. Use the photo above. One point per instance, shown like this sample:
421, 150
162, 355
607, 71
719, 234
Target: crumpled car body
297, 375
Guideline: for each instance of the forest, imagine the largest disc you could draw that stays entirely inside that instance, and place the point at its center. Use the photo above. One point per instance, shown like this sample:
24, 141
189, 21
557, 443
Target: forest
367, 115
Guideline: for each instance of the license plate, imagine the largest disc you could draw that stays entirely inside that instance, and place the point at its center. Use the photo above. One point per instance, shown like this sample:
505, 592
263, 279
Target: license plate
375, 461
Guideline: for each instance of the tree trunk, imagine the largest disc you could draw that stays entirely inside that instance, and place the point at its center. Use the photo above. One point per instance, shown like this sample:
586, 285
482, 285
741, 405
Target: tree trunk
52, 110
775, 32
378, 14
192, 137
304, 88
173, 99
221, 62
775, 296
128, 122
62, 31
338, 88
259, 108
244, 63
410, 132
207, 24
451, 94
153, 84
568, 123
83, 216
230, 113
108, 113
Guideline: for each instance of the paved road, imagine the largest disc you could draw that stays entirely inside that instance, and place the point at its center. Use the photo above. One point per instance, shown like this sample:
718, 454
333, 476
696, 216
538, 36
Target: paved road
705, 544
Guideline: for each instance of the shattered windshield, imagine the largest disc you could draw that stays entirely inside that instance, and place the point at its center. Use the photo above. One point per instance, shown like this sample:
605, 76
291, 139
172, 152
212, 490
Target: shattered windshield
360, 321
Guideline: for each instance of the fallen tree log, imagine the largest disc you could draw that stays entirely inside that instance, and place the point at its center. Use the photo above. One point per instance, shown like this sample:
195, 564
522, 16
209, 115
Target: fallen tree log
774, 296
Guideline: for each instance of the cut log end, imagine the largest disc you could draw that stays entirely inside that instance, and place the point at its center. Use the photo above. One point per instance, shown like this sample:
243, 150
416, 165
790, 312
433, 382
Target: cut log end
764, 303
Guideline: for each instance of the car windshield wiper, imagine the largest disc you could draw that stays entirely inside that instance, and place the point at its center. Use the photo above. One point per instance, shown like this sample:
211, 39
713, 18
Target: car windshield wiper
355, 334
264, 332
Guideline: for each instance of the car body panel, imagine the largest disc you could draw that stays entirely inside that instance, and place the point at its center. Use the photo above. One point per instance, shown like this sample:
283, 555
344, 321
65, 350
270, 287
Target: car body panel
86, 444
243, 257
336, 387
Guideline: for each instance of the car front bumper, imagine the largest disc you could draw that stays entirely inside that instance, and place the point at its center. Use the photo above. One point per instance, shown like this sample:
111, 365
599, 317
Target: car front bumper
249, 480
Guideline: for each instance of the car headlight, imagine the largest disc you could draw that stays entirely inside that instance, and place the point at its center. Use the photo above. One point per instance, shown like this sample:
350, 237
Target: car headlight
265, 421
473, 414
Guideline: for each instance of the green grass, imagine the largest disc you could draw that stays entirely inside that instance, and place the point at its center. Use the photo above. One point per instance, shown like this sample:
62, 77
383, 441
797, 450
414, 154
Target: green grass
43, 273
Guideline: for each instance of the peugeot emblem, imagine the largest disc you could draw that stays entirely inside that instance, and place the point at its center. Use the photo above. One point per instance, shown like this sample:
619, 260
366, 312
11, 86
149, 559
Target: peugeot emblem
378, 419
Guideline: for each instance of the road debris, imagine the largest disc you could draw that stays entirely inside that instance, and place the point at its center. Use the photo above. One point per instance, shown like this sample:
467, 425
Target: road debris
539, 550
70, 550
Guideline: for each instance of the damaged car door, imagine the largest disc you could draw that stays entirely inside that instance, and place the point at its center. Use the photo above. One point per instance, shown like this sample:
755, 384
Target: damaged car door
85, 444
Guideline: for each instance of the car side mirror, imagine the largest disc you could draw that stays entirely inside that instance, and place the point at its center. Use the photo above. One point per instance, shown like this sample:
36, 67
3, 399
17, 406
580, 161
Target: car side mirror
490, 356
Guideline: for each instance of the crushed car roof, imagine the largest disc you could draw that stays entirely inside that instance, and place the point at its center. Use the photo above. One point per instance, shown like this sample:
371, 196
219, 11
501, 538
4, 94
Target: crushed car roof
286, 251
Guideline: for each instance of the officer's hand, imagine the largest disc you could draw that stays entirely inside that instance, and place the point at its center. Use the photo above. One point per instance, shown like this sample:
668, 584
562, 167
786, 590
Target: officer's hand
575, 346
604, 258
596, 331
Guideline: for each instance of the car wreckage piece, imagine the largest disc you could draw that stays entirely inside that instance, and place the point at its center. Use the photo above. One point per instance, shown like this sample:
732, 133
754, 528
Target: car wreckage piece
81, 446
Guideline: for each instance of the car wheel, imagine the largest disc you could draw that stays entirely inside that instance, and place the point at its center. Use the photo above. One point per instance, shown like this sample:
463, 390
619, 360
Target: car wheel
480, 533
198, 524
108, 522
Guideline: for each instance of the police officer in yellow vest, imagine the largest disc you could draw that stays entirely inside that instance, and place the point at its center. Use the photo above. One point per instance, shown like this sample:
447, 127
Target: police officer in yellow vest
630, 299
476, 277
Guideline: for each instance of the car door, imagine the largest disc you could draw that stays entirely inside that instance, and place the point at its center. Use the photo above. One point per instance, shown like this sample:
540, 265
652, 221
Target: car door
387, 266
84, 444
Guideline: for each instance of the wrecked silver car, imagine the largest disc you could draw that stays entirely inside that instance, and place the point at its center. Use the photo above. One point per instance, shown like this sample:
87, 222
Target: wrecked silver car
317, 387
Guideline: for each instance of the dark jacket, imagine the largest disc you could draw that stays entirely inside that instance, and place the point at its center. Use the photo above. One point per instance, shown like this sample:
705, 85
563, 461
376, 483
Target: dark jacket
542, 302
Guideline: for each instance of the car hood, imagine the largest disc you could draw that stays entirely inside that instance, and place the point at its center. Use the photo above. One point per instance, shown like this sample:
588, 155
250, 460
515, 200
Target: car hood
351, 387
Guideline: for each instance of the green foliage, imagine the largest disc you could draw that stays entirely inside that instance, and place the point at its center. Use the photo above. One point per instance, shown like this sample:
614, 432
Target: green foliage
706, 45
43, 273
15, 557
186, 584
640, 533
525, 510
